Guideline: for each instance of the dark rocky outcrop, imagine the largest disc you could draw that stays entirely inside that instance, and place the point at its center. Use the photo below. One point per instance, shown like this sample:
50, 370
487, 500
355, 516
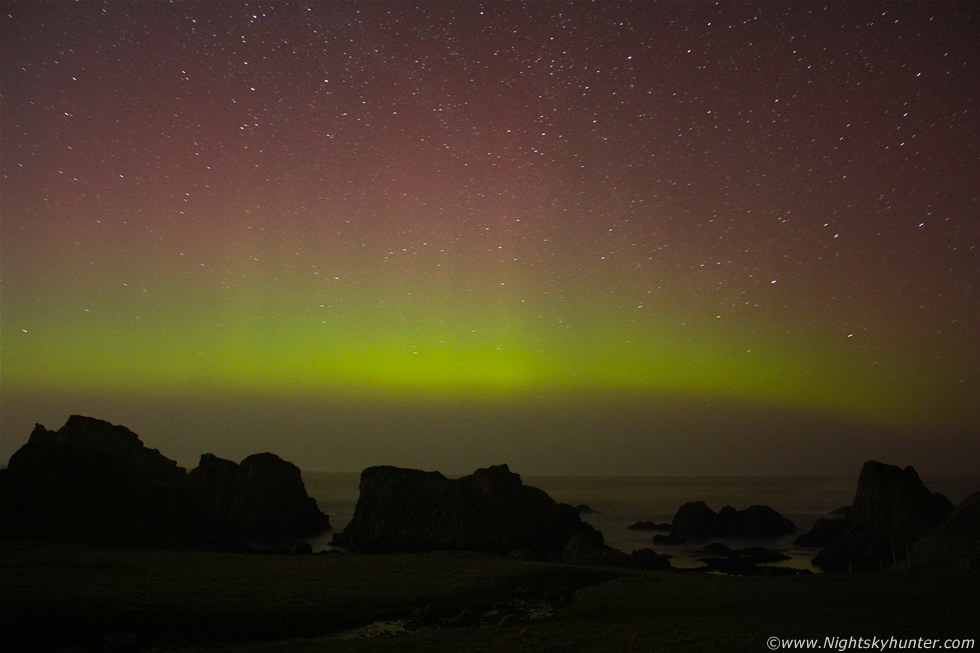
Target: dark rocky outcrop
892, 510
263, 498
956, 541
648, 526
826, 528
696, 519
589, 548
118, 442
490, 510
92, 481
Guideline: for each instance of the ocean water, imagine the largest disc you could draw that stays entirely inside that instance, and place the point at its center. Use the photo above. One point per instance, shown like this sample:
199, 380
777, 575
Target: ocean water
619, 501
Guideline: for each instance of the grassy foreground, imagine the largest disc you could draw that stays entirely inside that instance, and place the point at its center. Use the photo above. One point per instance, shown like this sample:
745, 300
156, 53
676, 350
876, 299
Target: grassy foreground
53, 596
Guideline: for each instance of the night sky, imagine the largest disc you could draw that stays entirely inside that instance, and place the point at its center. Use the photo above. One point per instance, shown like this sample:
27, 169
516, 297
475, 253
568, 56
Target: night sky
645, 238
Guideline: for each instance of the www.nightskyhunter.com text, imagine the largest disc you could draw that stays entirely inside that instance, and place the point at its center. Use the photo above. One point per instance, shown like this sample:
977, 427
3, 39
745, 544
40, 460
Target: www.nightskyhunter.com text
870, 644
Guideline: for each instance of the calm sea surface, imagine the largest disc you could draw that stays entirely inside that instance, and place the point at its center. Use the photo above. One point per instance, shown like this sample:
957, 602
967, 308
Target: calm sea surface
619, 501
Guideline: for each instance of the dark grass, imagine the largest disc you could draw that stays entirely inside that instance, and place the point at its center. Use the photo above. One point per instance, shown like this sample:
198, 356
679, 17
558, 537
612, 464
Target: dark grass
52, 595
57, 595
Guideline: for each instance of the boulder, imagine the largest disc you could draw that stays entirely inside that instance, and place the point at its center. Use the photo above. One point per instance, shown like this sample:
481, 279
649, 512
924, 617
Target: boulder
892, 510
696, 519
490, 510
956, 541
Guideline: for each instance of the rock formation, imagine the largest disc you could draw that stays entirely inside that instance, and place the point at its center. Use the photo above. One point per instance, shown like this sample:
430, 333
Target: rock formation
119, 442
956, 541
696, 519
263, 498
826, 528
892, 510
92, 481
491, 511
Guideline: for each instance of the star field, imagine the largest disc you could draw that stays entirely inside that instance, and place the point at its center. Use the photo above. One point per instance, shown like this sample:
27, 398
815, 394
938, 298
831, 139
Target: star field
773, 203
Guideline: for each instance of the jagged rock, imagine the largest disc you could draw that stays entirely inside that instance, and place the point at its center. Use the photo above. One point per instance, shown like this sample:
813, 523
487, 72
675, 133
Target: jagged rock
588, 547
956, 541
696, 519
892, 510
119, 442
263, 498
826, 528
490, 511
584, 509
93, 481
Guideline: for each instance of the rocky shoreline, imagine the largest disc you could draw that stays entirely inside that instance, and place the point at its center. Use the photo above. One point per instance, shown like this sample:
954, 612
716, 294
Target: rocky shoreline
92, 481
110, 546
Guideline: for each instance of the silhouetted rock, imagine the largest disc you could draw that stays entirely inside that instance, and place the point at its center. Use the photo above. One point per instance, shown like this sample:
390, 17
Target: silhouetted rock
491, 511
649, 559
92, 481
667, 538
956, 541
119, 442
263, 498
696, 519
892, 510
584, 509
589, 548
826, 528
303, 549
648, 526
754, 521
717, 549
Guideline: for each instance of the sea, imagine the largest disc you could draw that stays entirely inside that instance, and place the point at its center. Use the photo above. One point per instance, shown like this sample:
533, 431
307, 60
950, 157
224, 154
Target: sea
618, 501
